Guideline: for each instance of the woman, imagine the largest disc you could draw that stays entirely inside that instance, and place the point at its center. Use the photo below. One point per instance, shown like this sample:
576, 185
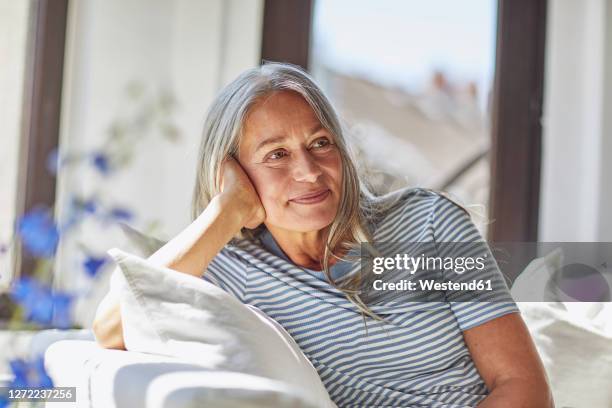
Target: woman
278, 208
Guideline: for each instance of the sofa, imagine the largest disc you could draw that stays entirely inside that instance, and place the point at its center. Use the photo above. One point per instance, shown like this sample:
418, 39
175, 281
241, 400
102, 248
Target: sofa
574, 340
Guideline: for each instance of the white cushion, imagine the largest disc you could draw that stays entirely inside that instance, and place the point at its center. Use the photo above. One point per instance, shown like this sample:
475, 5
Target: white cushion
574, 339
169, 313
576, 353
531, 284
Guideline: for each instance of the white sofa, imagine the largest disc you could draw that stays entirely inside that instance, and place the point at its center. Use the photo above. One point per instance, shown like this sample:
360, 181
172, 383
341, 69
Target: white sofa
115, 378
574, 341
575, 348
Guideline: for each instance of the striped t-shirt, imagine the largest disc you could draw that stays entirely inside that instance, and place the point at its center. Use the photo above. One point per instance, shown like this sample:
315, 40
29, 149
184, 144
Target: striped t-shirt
417, 358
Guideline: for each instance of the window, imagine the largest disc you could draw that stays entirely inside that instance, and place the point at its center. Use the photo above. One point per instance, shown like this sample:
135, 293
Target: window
516, 101
413, 80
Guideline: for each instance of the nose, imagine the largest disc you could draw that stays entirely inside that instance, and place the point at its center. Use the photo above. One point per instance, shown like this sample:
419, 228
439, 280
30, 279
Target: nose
305, 167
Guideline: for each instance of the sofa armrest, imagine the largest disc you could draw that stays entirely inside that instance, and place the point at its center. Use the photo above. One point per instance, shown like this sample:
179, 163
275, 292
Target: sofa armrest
116, 378
43, 339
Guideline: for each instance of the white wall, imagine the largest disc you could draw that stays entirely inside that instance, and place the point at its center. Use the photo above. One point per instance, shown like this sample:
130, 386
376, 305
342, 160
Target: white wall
13, 43
191, 47
576, 195
605, 198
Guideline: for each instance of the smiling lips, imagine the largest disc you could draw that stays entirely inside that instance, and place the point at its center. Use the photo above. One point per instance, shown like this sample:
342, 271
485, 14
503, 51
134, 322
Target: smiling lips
312, 198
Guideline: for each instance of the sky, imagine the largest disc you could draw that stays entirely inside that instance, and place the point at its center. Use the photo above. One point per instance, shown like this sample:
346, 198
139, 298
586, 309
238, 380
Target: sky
400, 42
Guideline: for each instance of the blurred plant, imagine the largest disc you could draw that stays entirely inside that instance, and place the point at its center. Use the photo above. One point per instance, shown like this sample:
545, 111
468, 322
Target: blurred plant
30, 373
27, 374
38, 304
38, 232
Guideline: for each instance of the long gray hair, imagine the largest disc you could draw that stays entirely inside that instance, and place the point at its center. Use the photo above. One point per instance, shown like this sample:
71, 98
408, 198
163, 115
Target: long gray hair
221, 137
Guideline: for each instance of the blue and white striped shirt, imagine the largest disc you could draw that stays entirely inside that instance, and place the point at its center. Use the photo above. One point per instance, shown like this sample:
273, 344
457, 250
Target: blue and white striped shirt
417, 358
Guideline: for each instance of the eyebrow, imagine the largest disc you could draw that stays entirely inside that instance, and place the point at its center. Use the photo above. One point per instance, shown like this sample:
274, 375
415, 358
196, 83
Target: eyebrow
278, 139
272, 140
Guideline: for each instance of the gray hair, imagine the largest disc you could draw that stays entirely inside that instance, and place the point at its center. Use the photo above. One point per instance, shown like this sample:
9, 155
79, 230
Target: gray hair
221, 137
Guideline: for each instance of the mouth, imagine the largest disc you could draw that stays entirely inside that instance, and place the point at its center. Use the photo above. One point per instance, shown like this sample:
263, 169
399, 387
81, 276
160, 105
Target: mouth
311, 198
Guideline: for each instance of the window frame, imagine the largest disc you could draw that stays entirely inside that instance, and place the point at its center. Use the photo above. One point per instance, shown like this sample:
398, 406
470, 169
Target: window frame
41, 113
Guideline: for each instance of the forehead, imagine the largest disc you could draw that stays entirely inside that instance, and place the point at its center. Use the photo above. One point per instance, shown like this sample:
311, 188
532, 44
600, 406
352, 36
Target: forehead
281, 113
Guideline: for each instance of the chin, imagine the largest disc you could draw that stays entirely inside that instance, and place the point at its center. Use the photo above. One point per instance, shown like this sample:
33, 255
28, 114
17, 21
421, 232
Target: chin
309, 227
308, 223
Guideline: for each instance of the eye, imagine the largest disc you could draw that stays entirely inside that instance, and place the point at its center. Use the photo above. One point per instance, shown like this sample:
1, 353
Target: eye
276, 155
321, 142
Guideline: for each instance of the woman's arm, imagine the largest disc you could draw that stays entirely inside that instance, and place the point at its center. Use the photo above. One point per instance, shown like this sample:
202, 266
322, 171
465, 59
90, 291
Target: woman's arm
508, 362
191, 250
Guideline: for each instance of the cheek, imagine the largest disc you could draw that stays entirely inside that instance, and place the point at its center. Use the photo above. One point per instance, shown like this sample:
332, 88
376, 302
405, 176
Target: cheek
269, 184
333, 169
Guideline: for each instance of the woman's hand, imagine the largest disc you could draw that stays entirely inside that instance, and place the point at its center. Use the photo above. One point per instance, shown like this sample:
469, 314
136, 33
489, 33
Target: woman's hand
236, 186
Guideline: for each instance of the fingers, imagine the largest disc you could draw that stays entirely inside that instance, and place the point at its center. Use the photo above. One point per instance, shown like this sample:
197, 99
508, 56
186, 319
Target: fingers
226, 171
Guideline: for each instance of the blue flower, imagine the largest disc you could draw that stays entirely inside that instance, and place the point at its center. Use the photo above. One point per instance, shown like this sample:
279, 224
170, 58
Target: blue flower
101, 162
30, 373
62, 305
92, 265
89, 206
39, 233
41, 305
120, 214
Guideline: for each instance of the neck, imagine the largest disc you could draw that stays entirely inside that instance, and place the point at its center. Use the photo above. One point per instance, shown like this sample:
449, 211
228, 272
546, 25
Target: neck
304, 249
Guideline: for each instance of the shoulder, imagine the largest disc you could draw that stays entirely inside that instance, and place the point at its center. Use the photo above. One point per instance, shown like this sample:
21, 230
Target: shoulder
415, 209
228, 268
234, 256
417, 200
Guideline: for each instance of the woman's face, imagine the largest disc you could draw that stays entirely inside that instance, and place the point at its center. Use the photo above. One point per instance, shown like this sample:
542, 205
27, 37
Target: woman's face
293, 162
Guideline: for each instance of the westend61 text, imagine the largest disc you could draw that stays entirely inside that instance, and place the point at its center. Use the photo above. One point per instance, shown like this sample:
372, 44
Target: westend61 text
430, 284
